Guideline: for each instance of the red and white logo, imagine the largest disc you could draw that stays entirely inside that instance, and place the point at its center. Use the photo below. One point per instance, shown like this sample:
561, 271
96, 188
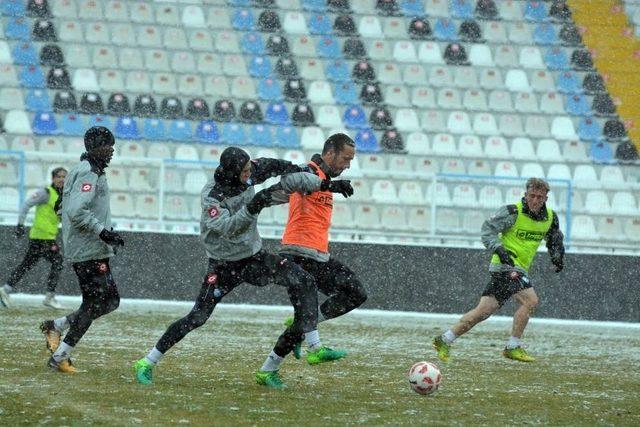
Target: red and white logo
514, 275
86, 187
54, 248
213, 212
102, 267
212, 278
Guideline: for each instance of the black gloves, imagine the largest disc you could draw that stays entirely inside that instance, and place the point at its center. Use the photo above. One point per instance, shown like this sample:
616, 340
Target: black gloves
21, 230
558, 263
260, 201
342, 186
504, 256
111, 237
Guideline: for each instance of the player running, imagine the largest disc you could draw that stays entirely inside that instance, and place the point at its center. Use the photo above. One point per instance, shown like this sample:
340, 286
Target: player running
42, 238
88, 242
513, 234
228, 229
306, 242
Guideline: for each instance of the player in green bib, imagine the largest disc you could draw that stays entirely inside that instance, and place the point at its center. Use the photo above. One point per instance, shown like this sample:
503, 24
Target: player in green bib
513, 235
42, 238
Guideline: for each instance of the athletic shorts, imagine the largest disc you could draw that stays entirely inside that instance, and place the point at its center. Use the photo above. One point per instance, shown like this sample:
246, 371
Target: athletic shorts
504, 285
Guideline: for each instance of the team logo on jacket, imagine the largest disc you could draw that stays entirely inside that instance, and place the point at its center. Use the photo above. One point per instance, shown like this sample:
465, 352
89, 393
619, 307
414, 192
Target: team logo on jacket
54, 248
102, 267
213, 212
86, 187
212, 278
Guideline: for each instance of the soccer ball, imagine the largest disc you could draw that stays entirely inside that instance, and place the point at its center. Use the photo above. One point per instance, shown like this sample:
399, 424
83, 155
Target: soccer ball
424, 377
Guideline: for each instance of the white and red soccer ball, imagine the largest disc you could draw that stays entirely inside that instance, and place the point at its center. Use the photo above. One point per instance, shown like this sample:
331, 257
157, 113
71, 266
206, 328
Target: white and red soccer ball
424, 377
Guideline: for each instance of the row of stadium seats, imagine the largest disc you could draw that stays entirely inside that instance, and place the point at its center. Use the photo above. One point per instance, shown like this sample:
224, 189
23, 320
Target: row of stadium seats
369, 217
205, 12
354, 117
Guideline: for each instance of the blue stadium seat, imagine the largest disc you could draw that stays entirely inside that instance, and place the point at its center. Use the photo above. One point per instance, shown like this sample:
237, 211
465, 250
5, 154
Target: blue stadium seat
535, 11
260, 135
589, 129
314, 5
545, 34
243, 20
99, 120
13, 8
252, 43
556, 59
337, 71
17, 28
355, 118
233, 134
366, 141
345, 92
207, 132
601, 152
154, 129
277, 114
568, 82
287, 137
126, 128
31, 76
179, 130
577, 105
25, 54
269, 90
411, 8
461, 9
260, 66
44, 123
328, 47
38, 100
320, 24
72, 125
445, 29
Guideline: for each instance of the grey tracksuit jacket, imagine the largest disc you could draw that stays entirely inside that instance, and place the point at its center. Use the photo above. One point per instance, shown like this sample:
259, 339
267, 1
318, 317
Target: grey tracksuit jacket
85, 213
228, 231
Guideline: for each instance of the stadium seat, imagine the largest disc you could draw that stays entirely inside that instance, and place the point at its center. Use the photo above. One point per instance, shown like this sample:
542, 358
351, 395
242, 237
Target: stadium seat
568, 82
490, 197
459, 123
417, 143
117, 177
370, 27
366, 141
485, 124
176, 208
562, 129
500, 100
531, 58
624, 203
559, 171
583, 228
574, 151
36, 100
277, 114
419, 219
542, 81
342, 217
472, 221
447, 221
522, 149
532, 170
47, 145
384, 191
44, 123
432, 121
506, 56
72, 125
526, 102
601, 152
537, 127
632, 229
233, 134
393, 218
491, 78
548, 150
406, 120
610, 228
126, 128
596, 202
423, 97
506, 169
585, 176
464, 196
368, 217
287, 137
516, 80
470, 146
194, 180
430, 53
312, 138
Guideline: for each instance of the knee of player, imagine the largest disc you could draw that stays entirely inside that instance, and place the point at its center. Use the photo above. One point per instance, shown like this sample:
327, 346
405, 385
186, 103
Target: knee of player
532, 303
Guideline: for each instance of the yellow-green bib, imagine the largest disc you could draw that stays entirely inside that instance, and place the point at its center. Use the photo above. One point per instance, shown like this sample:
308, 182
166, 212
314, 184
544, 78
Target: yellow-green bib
524, 237
45, 225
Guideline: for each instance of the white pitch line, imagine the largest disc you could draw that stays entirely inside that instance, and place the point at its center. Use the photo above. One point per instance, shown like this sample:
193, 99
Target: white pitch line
153, 304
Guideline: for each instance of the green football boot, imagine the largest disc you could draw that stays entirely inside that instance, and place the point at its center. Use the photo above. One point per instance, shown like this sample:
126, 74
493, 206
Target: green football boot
297, 350
442, 348
517, 353
270, 379
324, 354
144, 371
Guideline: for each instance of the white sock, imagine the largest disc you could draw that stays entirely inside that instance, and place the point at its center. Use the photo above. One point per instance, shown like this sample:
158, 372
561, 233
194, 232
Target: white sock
63, 352
312, 338
154, 356
61, 324
514, 342
449, 337
272, 363
8, 288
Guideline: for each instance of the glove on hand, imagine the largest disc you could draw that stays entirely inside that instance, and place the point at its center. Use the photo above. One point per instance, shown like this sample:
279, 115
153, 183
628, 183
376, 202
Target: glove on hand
504, 256
342, 186
111, 237
21, 230
260, 201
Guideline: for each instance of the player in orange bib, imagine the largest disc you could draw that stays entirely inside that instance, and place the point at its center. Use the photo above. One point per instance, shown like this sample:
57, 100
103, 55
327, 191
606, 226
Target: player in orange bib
306, 242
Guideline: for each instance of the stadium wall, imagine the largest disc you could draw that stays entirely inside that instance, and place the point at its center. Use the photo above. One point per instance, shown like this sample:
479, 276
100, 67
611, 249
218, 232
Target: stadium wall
442, 280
